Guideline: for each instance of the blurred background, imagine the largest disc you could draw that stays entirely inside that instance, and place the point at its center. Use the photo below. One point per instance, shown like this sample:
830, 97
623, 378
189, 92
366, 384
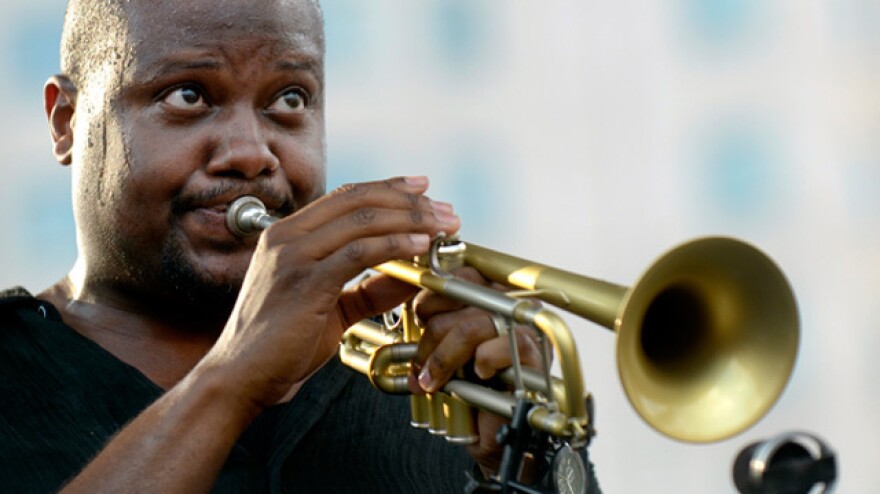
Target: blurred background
593, 136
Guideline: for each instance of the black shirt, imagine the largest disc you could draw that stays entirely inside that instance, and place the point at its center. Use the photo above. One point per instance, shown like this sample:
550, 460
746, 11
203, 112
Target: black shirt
62, 397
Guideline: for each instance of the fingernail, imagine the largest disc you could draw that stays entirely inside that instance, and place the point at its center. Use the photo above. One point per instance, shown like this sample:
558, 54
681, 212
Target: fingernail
419, 181
446, 218
420, 240
481, 372
425, 380
443, 207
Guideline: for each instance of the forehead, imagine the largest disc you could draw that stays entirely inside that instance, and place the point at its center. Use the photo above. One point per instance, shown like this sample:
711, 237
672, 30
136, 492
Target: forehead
161, 28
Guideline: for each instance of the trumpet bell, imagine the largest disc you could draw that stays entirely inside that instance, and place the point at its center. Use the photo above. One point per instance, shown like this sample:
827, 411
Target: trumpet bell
707, 339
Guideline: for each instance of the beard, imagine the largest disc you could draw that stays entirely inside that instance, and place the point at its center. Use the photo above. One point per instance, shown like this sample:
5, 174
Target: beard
192, 289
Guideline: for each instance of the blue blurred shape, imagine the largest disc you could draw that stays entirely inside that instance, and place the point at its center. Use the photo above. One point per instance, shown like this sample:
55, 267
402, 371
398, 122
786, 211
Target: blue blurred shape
742, 171
460, 29
720, 20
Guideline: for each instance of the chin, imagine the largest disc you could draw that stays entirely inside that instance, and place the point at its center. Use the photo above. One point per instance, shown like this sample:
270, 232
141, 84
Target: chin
205, 283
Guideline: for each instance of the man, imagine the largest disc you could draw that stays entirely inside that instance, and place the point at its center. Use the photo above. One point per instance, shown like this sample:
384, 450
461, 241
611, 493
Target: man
176, 357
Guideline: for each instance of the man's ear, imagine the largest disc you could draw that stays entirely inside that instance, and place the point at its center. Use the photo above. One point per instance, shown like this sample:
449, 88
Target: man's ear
59, 100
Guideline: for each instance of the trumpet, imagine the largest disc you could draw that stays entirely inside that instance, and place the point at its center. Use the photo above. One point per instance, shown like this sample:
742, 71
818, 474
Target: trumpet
707, 339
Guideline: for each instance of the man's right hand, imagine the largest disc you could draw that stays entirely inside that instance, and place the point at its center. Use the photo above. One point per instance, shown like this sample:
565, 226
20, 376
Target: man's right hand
292, 308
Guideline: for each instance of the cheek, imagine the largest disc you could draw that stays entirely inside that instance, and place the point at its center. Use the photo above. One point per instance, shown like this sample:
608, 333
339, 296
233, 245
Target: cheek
308, 180
304, 164
158, 163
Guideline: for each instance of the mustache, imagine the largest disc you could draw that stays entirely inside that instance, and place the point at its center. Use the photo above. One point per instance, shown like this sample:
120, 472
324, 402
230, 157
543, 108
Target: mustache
281, 203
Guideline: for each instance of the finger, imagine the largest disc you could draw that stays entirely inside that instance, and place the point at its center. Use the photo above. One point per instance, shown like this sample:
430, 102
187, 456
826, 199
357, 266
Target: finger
397, 193
408, 185
455, 349
363, 238
415, 184
354, 257
438, 327
337, 232
428, 304
373, 296
495, 355
421, 214
374, 222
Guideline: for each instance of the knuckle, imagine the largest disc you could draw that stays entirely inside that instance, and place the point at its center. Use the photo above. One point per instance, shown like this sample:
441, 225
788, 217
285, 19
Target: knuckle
430, 333
479, 328
392, 242
471, 332
354, 251
416, 216
414, 200
364, 216
441, 323
440, 363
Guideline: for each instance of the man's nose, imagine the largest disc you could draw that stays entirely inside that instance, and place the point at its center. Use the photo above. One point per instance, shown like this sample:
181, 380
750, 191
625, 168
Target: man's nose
243, 148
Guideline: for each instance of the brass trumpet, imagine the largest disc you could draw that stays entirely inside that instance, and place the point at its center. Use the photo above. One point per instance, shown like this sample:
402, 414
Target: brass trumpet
707, 337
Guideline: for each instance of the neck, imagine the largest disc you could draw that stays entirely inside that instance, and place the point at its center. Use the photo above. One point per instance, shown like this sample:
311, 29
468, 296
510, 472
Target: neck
163, 308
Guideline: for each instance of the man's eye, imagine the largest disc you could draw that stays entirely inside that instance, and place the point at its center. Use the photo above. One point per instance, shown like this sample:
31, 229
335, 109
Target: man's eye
185, 97
293, 99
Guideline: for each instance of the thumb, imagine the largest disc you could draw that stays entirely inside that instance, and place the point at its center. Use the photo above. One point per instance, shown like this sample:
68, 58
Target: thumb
373, 296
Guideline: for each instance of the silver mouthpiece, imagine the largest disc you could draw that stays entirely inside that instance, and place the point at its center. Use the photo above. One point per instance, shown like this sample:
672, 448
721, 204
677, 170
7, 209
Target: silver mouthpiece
248, 216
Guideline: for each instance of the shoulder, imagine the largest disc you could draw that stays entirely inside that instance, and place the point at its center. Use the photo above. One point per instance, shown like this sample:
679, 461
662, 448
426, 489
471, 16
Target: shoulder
18, 299
26, 331
14, 303
20, 309
14, 299
15, 292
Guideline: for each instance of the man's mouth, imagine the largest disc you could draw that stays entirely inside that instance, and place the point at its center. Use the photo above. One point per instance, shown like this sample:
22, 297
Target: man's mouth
211, 222
203, 214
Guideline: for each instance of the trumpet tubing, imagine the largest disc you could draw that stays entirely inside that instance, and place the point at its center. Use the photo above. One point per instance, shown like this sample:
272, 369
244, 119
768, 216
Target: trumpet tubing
707, 337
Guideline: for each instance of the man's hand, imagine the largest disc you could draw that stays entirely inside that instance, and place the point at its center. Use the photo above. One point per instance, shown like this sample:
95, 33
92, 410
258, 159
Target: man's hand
292, 310
456, 334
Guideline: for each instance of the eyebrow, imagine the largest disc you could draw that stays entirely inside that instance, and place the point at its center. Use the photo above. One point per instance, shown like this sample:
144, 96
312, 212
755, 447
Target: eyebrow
163, 68
175, 65
304, 65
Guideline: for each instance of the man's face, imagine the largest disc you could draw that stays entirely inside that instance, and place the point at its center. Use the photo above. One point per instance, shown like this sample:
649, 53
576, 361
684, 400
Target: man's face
210, 100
